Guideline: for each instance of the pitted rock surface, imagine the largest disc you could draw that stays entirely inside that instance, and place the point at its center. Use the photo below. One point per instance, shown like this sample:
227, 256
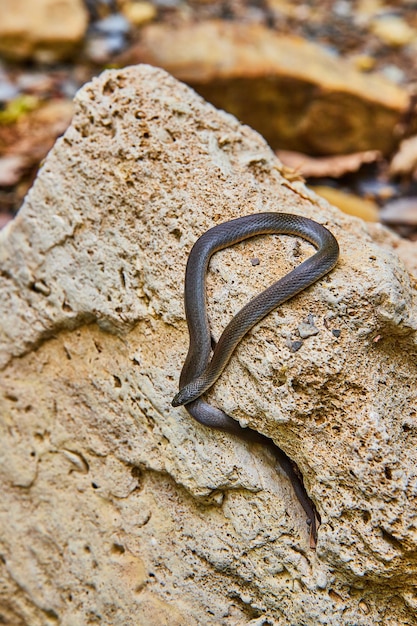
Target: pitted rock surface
117, 507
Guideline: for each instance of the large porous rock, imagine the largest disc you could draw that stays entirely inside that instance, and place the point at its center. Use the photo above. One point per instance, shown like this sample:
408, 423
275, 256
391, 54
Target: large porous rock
298, 95
117, 508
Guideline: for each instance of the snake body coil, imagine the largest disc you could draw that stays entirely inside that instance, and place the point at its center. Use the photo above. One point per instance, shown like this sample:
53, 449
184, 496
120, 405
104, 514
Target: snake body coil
200, 371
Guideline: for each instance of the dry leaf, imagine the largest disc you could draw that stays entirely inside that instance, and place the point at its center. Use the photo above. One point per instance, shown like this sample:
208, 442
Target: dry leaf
400, 211
405, 161
11, 169
331, 166
349, 203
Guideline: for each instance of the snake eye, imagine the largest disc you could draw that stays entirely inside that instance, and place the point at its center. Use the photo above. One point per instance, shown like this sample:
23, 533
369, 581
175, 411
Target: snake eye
176, 400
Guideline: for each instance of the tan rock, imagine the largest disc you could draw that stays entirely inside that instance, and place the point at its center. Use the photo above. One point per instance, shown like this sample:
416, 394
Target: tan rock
117, 507
393, 30
44, 29
292, 91
139, 13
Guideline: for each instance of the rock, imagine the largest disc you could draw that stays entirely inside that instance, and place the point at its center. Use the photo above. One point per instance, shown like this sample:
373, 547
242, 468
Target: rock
109, 36
405, 248
306, 328
8, 91
118, 506
139, 13
393, 30
46, 30
297, 95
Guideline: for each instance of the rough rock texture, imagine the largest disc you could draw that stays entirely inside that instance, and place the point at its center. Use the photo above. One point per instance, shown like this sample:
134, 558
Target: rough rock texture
44, 29
292, 91
117, 508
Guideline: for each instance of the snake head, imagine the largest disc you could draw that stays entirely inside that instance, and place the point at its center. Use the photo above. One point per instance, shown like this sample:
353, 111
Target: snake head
178, 401
190, 392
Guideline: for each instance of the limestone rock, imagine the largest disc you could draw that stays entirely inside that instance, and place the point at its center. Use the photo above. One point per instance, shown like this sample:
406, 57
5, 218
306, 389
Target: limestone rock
292, 91
47, 30
118, 508
393, 30
139, 13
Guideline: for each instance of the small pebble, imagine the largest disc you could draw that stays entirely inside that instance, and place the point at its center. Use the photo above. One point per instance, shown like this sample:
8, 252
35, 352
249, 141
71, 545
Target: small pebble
115, 23
342, 8
393, 30
166, 4
42, 288
294, 346
100, 48
7, 90
364, 607
307, 328
139, 13
394, 73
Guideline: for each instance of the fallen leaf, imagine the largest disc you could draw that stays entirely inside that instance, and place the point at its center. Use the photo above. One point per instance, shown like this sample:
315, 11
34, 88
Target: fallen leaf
18, 107
11, 168
331, 166
26, 142
400, 211
5, 218
349, 203
405, 161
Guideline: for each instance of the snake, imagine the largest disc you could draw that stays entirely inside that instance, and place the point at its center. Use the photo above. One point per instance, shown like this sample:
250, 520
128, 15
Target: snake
204, 364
